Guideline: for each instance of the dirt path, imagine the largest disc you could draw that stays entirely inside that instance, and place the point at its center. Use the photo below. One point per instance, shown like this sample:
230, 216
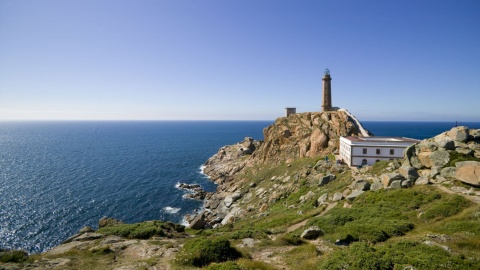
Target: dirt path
272, 255
475, 199
302, 223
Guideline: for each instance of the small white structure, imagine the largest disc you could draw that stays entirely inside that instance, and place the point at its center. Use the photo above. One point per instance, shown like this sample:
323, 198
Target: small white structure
359, 151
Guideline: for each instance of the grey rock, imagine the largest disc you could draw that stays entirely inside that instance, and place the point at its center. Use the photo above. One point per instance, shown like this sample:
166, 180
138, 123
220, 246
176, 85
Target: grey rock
311, 233
445, 142
468, 152
435, 171
337, 197
326, 179
377, 185
440, 179
408, 172
198, 223
422, 180
361, 185
440, 158
406, 184
230, 199
396, 184
448, 172
322, 199
354, 195
388, 178
474, 134
459, 133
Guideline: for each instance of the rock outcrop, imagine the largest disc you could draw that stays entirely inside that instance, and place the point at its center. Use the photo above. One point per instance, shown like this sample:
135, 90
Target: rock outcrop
306, 135
451, 155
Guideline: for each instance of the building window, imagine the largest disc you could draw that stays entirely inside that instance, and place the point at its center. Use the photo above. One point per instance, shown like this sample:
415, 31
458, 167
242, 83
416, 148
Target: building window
364, 162
364, 150
378, 151
377, 160
392, 152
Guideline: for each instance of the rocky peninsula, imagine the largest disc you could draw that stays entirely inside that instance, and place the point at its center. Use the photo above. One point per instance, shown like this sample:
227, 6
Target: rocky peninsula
280, 204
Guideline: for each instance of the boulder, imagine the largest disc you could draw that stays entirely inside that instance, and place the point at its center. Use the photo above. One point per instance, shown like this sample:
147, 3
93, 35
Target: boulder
474, 134
354, 195
306, 197
459, 133
311, 233
422, 180
230, 199
408, 172
337, 197
406, 184
468, 172
377, 185
361, 185
198, 223
396, 184
448, 172
388, 178
444, 141
322, 199
437, 158
326, 179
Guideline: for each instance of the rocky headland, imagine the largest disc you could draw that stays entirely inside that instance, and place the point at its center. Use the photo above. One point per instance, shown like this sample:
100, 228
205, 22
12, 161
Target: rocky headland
280, 204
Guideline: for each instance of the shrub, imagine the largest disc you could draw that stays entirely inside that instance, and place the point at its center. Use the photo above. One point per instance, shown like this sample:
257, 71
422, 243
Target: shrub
201, 252
143, 230
15, 256
457, 157
289, 239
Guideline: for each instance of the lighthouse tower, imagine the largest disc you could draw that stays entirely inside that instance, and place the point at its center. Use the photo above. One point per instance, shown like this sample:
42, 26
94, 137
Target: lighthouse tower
327, 91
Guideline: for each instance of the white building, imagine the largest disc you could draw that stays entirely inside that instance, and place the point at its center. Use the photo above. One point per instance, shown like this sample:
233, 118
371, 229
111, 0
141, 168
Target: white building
358, 151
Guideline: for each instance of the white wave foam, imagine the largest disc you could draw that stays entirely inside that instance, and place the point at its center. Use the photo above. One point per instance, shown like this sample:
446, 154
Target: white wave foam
202, 170
171, 210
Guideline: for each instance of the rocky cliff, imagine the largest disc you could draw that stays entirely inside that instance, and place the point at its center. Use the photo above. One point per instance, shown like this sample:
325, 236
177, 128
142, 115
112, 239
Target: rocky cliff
306, 135
303, 135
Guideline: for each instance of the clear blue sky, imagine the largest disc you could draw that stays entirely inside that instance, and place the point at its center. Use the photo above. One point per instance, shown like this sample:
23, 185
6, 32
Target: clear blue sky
242, 60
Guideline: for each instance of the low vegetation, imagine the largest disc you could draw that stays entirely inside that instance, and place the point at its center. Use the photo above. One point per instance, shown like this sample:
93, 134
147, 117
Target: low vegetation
143, 230
204, 251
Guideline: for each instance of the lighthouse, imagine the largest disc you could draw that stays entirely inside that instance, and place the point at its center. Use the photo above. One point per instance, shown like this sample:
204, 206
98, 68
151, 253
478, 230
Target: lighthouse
327, 91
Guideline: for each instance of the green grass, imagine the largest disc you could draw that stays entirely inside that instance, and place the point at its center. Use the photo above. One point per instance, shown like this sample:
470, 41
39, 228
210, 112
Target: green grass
457, 157
378, 216
143, 230
203, 251
302, 257
397, 255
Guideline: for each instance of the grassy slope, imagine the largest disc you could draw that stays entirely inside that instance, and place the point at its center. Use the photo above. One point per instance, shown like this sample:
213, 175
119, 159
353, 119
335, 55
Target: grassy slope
392, 229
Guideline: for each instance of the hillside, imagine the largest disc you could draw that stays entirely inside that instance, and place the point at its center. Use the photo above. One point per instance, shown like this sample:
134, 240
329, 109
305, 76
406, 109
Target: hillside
280, 205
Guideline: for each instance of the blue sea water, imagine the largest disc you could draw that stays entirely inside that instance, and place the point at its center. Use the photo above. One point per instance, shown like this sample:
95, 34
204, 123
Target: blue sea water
57, 177
415, 130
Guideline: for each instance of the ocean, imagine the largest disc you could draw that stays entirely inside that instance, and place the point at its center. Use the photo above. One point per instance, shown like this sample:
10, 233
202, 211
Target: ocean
57, 177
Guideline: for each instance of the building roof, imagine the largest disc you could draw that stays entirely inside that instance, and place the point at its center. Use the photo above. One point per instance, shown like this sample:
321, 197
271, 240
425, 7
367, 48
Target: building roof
380, 139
